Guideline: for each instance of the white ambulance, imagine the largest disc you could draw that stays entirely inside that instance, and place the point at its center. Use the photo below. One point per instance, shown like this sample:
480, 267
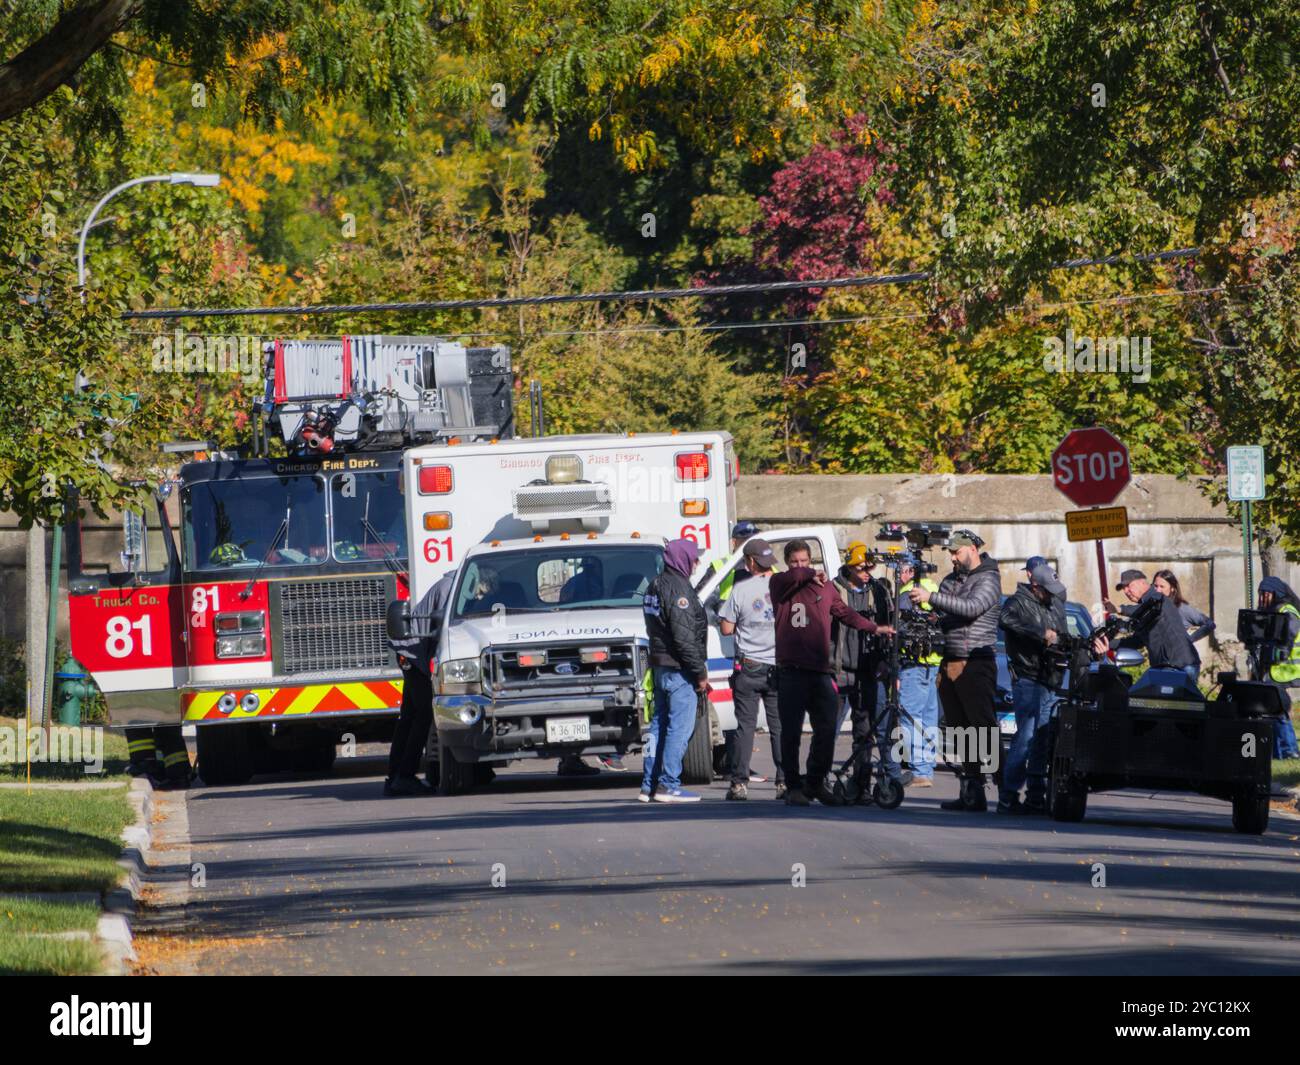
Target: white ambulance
543, 648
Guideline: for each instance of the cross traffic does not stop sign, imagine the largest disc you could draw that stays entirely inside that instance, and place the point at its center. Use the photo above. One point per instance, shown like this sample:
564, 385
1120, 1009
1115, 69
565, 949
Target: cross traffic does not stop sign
1090, 467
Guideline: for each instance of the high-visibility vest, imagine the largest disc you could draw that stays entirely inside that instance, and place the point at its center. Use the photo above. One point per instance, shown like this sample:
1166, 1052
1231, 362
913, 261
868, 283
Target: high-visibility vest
932, 659
1289, 671
724, 589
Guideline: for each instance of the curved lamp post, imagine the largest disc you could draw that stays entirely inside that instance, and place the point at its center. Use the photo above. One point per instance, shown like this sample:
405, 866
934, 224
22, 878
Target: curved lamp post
203, 180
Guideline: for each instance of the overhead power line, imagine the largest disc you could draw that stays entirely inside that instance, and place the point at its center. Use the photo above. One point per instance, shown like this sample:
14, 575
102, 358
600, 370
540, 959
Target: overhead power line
634, 296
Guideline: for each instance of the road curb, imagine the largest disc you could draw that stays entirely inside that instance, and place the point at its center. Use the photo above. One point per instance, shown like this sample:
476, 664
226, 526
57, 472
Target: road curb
120, 903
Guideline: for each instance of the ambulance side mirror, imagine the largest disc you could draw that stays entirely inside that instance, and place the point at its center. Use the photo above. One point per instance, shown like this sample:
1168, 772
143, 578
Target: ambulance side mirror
398, 620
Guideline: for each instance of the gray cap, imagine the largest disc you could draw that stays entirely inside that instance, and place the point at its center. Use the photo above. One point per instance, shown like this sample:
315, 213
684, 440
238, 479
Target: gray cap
761, 552
1128, 577
1043, 576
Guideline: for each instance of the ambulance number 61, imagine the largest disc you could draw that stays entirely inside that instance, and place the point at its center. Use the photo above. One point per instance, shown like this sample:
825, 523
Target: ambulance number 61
437, 550
689, 533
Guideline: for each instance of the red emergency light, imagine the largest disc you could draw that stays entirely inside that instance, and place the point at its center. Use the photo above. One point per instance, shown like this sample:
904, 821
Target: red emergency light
692, 465
435, 480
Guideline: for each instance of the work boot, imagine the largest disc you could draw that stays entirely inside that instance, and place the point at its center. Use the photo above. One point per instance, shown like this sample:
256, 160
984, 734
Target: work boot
797, 797
972, 793
1011, 804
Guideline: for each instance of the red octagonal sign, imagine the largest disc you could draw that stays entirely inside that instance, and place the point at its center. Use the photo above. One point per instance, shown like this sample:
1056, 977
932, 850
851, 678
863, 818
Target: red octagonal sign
1090, 466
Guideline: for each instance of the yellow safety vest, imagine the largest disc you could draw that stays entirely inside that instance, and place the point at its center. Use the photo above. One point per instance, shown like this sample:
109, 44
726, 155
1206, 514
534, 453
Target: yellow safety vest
929, 586
724, 589
1288, 671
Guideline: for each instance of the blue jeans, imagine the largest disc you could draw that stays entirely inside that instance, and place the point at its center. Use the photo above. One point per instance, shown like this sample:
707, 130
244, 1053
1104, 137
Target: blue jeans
670, 730
1284, 742
1027, 761
918, 691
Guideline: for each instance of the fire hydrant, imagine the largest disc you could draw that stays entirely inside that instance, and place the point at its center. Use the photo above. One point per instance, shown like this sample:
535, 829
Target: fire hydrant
73, 686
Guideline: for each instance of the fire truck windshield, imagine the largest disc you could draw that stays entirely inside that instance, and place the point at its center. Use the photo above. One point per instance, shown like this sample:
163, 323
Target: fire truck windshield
587, 577
369, 516
236, 523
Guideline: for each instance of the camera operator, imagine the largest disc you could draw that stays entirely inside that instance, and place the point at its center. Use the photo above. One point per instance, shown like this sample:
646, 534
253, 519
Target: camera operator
918, 693
969, 599
1276, 597
856, 656
1033, 620
1165, 639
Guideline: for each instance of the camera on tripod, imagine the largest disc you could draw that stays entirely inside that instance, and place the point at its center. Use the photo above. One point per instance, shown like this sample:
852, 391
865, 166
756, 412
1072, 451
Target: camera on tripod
919, 635
919, 536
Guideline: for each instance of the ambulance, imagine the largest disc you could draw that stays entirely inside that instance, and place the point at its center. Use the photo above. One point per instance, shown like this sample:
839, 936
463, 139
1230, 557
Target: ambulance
542, 650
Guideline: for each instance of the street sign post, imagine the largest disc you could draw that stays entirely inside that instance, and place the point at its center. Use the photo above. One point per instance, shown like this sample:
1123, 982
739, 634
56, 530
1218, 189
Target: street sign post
1245, 485
1090, 467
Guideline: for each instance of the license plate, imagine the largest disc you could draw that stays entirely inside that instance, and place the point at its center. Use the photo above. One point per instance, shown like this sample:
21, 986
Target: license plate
1008, 723
568, 729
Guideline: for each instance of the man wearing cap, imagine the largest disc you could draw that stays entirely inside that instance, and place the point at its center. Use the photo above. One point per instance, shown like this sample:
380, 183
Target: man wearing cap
748, 615
969, 600
1166, 641
1033, 620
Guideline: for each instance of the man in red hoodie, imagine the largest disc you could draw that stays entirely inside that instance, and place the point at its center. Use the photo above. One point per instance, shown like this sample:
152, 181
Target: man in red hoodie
805, 604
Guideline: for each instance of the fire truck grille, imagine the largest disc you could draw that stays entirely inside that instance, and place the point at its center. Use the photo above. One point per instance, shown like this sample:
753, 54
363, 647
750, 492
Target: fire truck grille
333, 625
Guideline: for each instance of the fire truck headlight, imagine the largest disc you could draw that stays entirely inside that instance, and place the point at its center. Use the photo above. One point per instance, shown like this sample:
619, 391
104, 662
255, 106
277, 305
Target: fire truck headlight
241, 646
460, 676
563, 469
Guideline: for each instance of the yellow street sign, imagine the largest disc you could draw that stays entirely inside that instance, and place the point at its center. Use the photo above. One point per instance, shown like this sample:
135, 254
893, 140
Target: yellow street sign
1099, 523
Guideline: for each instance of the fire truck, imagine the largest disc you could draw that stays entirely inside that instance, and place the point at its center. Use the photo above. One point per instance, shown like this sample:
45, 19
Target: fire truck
256, 610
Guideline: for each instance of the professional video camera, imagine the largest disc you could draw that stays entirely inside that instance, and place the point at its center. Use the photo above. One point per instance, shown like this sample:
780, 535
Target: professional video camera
919, 635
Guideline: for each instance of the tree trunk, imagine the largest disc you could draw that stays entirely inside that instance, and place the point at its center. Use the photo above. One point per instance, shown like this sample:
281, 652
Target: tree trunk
37, 604
54, 59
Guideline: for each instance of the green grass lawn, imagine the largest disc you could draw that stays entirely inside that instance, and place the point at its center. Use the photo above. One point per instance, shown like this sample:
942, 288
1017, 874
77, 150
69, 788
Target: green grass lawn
75, 751
25, 946
56, 840
61, 840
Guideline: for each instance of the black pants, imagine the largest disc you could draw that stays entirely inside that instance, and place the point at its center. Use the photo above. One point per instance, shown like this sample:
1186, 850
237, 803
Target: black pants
804, 691
862, 693
967, 688
750, 683
413, 722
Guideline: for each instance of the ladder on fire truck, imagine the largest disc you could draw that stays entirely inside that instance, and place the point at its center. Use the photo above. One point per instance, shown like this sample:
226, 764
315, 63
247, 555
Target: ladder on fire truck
366, 392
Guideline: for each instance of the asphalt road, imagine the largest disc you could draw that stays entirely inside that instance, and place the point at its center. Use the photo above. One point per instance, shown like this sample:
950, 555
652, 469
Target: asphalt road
326, 876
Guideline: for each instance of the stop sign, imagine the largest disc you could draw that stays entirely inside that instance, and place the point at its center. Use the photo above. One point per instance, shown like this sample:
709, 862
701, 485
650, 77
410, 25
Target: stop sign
1090, 466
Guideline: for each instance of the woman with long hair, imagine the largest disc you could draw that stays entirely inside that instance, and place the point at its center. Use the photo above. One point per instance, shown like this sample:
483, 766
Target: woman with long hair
1201, 624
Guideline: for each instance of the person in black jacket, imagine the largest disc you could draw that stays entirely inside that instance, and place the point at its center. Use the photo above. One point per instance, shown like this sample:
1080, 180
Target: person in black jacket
1033, 619
1165, 638
415, 718
678, 629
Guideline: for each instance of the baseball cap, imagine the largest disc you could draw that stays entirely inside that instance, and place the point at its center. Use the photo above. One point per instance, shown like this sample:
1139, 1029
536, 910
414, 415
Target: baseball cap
1043, 576
743, 529
963, 538
761, 552
1128, 577
1033, 562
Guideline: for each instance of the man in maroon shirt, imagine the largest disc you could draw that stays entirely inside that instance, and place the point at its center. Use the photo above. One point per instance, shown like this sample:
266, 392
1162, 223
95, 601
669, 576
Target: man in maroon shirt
805, 603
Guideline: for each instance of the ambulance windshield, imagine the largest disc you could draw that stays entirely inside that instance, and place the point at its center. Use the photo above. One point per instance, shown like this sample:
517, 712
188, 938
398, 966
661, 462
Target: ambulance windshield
577, 577
236, 523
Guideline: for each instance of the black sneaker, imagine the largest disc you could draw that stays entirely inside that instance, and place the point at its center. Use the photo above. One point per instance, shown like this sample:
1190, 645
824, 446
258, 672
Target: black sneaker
738, 791
1012, 806
1034, 808
953, 804
573, 766
613, 763
405, 786
781, 791
797, 797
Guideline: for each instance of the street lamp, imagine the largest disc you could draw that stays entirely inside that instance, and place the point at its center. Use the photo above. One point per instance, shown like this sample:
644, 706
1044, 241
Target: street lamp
202, 180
